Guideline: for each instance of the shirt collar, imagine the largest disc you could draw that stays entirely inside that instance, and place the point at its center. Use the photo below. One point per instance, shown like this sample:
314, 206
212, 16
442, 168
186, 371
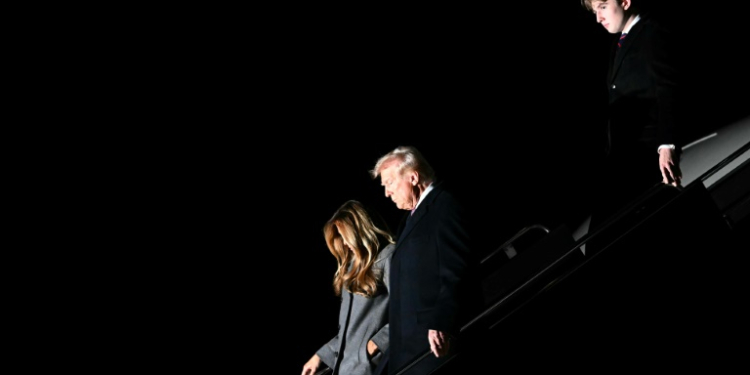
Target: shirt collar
635, 20
427, 190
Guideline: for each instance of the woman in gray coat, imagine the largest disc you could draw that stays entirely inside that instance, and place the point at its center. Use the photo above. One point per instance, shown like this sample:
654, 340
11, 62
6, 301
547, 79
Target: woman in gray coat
362, 245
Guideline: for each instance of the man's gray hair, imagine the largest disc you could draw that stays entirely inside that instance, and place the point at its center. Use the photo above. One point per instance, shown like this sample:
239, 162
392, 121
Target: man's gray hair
409, 158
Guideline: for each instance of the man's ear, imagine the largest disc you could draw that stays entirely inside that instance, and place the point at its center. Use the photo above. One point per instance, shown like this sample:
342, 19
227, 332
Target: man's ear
414, 178
625, 4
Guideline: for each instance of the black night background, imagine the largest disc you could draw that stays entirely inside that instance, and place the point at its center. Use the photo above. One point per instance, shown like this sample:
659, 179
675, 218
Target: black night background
504, 101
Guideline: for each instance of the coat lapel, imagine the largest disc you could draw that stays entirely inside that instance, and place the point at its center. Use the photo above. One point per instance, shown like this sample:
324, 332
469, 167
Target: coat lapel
411, 222
421, 212
620, 55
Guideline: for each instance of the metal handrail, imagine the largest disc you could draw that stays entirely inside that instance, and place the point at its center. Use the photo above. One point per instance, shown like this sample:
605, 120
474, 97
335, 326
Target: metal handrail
627, 209
489, 310
724, 162
515, 237
517, 290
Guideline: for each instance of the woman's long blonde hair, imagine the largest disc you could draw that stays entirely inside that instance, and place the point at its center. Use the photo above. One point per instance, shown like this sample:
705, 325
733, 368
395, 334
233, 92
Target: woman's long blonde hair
365, 232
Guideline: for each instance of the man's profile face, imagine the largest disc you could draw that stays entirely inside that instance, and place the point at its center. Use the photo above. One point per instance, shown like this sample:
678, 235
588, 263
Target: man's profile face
611, 14
399, 187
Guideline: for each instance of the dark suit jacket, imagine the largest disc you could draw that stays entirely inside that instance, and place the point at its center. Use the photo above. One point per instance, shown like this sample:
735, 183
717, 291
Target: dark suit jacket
643, 113
643, 88
430, 284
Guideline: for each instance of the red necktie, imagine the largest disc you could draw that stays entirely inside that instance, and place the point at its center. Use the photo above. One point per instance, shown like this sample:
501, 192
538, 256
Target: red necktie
622, 37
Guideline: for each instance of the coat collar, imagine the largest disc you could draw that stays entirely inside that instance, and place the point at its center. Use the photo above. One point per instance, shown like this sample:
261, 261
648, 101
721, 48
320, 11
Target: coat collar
422, 210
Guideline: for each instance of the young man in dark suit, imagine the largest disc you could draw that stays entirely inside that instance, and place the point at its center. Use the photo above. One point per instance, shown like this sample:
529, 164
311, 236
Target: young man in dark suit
433, 285
643, 112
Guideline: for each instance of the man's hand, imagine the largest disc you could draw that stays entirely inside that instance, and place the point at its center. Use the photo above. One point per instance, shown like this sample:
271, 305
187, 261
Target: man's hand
669, 164
440, 342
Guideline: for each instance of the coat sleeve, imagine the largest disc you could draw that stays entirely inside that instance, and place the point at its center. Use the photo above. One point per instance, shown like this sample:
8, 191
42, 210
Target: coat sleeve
381, 337
328, 352
663, 62
453, 249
